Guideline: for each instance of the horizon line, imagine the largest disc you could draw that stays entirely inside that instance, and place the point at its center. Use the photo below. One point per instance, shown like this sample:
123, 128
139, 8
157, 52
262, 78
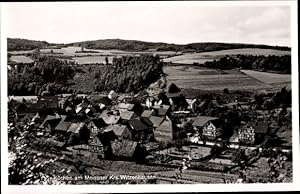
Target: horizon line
221, 42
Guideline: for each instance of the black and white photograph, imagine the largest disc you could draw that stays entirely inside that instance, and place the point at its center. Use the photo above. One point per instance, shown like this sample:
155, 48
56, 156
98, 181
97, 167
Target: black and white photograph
151, 93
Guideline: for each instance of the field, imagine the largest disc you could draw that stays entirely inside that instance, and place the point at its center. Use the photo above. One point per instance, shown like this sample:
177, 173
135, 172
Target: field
200, 58
95, 56
269, 78
21, 59
211, 79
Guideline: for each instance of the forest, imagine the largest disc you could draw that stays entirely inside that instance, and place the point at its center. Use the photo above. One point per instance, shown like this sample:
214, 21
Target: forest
48, 76
16, 44
129, 74
279, 64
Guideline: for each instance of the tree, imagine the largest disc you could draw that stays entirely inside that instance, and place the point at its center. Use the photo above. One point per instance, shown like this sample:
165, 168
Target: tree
106, 60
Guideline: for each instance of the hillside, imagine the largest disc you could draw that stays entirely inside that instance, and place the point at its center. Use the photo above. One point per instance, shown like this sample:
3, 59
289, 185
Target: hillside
135, 45
17, 44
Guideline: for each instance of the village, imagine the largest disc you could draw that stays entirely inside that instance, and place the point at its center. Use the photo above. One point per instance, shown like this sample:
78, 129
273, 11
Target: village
161, 127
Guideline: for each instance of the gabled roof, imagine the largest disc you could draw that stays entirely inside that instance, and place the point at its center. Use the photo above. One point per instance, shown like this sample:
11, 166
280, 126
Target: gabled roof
127, 106
75, 127
63, 126
172, 88
48, 118
118, 129
161, 109
83, 104
95, 141
137, 125
202, 120
147, 121
127, 115
167, 125
156, 120
262, 127
147, 113
124, 148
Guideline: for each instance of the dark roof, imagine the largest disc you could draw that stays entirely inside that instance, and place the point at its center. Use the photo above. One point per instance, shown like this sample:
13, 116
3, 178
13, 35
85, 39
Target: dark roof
124, 148
202, 120
156, 120
127, 115
101, 99
63, 126
137, 125
262, 127
147, 113
172, 88
75, 127
99, 123
147, 121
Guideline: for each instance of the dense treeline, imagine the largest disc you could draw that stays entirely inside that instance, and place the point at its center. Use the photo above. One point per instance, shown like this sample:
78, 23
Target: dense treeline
280, 64
134, 45
48, 75
16, 44
129, 74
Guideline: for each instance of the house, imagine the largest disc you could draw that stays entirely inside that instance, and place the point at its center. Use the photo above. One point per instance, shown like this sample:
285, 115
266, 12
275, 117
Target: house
95, 146
161, 110
121, 131
166, 131
209, 127
50, 122
128, 150
246, 134
127, 115
147, 113
107, 135
156, 121
96, 125
125, 106
253, 132
109, 118
261, 130
193, 104
212, 129
112, 95
61, 129
140, 130
81, 107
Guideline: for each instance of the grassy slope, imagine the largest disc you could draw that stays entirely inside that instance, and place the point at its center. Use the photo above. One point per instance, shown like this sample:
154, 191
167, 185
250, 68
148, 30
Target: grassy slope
214, 55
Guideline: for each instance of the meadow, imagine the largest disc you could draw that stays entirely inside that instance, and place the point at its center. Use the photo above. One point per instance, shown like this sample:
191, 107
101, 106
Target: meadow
201, 58
211, 79
269, 78
21, 59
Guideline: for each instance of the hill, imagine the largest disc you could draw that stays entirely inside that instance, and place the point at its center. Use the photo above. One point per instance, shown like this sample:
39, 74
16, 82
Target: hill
15, 44
135, 45
191, 58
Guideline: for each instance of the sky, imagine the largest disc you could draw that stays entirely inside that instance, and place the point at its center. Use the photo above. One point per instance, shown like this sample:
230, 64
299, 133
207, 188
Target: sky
167, 22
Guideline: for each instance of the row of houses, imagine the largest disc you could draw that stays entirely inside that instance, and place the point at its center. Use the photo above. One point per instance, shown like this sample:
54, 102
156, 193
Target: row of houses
212, 128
